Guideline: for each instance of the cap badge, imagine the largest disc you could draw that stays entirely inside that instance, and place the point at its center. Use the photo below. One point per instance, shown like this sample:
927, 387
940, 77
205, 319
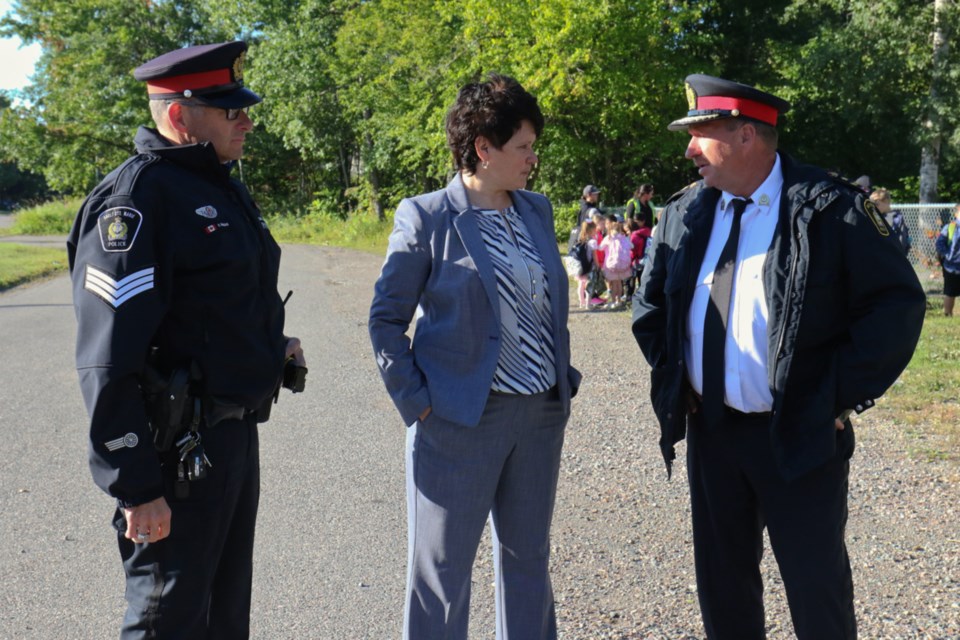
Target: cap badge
187, 93
691, 96
238, 67
207, 212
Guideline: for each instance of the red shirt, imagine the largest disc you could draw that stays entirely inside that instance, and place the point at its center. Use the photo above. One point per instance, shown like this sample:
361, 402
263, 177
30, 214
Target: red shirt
639, 240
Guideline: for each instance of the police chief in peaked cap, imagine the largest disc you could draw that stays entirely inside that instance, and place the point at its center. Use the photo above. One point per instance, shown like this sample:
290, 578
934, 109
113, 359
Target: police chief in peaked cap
774, 305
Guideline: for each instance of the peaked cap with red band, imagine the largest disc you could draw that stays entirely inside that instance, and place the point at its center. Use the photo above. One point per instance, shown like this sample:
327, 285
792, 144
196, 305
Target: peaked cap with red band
713, 98
210, 74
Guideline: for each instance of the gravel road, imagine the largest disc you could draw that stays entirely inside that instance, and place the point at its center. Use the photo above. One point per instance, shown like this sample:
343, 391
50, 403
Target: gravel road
331, 546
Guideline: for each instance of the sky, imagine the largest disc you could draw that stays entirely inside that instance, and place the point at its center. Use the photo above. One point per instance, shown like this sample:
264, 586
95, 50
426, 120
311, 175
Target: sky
16, 62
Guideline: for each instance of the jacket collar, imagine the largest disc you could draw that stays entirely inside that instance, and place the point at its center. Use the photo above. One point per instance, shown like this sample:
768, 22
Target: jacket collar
199, 157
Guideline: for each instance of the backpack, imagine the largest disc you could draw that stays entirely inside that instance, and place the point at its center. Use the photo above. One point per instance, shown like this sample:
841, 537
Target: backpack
581, 252
618, 255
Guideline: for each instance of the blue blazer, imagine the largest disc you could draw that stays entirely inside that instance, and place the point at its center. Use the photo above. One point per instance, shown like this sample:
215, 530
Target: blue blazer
437, 261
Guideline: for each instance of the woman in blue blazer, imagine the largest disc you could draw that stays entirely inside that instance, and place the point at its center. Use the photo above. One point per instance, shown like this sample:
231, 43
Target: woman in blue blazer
485, 383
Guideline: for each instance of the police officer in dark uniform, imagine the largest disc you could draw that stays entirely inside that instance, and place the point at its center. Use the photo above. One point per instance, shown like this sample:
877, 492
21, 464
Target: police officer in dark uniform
180, 348
777, 303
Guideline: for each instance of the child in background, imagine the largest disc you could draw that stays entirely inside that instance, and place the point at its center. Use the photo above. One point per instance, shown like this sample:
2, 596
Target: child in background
597, 286
616, 265
584, 251
639, 236
948, 250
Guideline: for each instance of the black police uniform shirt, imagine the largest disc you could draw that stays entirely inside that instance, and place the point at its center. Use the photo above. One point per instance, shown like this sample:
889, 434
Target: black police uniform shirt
169, 252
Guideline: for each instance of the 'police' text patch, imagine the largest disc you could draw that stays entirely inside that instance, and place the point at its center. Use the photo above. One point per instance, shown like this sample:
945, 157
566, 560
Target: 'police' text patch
118, 228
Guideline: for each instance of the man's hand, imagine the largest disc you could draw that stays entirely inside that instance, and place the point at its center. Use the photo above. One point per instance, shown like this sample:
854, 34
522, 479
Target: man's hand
295, 351
148, 522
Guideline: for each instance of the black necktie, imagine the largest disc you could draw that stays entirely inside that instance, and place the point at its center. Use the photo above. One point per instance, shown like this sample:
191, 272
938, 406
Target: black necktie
715, 322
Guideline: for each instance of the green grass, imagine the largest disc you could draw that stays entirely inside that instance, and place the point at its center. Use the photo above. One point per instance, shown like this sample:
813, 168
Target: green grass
926, 398
48, 219
362, 232
20, 264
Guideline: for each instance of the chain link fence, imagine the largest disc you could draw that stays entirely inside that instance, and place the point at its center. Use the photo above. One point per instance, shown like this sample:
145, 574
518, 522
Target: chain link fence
924, 222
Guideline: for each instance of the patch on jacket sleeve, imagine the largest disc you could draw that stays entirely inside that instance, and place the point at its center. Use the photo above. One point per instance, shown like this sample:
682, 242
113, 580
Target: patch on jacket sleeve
116, 292
875, 217
118, 228
128, 441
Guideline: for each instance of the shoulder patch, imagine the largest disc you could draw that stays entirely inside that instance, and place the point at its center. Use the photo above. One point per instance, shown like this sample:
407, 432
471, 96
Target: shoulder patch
118, 228
876, 218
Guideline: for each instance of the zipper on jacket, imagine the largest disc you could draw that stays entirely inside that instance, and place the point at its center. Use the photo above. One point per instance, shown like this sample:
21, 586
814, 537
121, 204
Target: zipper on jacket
787, 294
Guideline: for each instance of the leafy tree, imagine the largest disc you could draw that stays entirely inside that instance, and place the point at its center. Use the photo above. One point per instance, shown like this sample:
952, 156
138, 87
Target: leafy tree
84, 104
356, 91
291, 53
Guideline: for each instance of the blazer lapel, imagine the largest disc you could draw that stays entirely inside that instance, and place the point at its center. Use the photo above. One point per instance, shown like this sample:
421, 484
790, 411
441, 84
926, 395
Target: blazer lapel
546, 245
465, 222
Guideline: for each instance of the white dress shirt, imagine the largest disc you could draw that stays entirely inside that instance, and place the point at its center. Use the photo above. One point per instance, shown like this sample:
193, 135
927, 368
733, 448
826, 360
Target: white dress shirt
745, 353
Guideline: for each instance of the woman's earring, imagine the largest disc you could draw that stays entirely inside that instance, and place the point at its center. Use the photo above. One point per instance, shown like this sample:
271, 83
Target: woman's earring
486, 164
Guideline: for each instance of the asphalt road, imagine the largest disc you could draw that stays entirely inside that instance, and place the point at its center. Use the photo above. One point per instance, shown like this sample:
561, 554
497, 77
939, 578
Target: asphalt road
331, 537
331, 547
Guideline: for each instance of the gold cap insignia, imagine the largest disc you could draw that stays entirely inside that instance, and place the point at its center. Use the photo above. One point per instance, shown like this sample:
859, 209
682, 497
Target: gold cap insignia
691, 97
238, 67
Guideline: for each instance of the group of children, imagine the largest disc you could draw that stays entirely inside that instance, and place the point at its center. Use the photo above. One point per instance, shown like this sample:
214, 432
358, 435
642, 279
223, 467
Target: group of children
610, 257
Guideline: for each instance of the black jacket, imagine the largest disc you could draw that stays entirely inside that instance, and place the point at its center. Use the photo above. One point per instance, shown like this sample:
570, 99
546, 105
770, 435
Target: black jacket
845, 311
169, 252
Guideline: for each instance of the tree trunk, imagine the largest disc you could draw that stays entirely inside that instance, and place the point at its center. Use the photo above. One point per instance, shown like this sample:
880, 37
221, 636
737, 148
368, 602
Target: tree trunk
373, 176
930, 155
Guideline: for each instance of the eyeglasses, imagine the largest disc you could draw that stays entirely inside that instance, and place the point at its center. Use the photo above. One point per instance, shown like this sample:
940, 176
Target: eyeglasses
232, 114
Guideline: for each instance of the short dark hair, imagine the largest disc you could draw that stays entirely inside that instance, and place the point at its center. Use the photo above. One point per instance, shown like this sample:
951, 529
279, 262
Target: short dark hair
765, 132
494, 109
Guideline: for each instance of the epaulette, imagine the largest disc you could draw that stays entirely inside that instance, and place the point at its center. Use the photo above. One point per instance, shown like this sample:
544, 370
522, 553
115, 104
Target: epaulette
845, 182
866, 205
681, 193
130, 170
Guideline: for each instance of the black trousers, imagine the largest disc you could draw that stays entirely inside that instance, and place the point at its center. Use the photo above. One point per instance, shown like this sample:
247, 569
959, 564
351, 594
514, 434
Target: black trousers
735, 492
195, 584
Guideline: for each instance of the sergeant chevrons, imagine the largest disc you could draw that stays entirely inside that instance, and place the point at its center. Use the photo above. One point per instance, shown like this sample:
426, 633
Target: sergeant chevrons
149, 265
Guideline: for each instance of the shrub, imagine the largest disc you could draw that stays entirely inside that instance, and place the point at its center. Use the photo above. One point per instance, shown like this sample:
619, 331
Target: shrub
50, 218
